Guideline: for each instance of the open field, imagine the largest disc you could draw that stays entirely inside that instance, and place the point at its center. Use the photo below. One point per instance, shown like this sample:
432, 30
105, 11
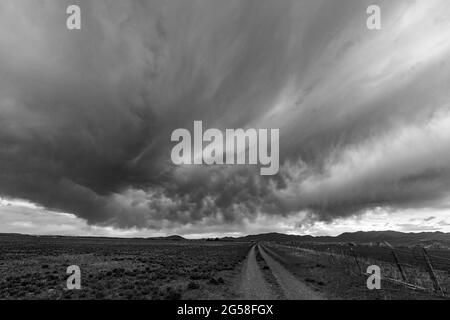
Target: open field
411, 260
35, 268
336, 273
410, 255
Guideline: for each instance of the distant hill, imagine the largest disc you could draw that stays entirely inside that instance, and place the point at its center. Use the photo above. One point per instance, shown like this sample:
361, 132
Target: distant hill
430, 239
171, 238
281, 237
174, 238
19, 235
393, 237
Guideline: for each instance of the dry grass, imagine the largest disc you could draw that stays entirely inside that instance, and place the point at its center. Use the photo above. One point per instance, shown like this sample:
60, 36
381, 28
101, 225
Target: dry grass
338, 275
35, 268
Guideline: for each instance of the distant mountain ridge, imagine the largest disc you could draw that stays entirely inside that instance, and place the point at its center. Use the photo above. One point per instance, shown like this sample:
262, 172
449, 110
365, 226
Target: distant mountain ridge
171, 238
357, 237
393, 237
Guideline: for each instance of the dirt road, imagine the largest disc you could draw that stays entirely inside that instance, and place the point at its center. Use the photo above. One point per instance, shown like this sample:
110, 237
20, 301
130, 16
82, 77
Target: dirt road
293, 288
255, 287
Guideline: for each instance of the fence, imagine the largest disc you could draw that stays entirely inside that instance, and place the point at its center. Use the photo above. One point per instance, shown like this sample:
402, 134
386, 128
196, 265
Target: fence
416, 268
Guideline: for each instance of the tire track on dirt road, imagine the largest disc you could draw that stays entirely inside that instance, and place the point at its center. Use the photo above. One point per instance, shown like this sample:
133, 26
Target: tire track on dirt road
293, 288
253, 284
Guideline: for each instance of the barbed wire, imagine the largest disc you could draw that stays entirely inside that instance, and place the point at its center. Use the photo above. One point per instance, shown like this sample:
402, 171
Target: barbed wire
420, 259
415, 253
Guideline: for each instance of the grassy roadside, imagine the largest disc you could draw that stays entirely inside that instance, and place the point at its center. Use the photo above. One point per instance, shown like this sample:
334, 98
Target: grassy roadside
268, 275
337, 281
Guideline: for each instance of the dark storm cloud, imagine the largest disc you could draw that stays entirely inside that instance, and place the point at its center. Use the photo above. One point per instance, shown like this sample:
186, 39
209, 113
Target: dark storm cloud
86, 116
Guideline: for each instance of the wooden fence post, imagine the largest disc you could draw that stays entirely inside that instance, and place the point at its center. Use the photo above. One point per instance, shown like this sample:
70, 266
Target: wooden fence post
331, 256
399, 266
430, 268
343, 259
397, 261
356, 260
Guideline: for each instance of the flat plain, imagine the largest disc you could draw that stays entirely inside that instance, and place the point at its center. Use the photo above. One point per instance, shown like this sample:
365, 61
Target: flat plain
34, 267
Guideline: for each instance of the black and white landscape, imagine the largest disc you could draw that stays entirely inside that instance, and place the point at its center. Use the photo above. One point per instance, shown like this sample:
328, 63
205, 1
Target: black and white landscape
115, 126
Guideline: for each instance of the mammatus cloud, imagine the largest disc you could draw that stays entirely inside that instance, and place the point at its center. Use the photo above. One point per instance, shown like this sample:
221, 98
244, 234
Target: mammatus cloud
86, 116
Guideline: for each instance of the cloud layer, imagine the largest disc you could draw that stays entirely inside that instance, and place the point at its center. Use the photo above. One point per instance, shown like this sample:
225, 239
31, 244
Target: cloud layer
86, 116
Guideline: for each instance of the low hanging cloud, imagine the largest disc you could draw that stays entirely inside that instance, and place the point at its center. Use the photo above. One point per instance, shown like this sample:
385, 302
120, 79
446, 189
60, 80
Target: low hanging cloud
86, 116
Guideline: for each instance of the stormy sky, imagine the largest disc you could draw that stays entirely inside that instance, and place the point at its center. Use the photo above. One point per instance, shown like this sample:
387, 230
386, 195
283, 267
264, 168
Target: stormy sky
86, 115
